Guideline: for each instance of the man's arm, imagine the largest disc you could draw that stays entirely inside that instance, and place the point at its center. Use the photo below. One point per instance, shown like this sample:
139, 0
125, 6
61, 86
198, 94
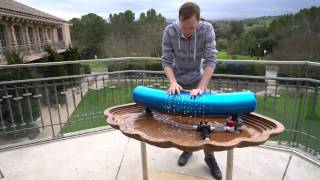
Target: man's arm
206, 77
167, 60
209, 56
169, 72
209, 63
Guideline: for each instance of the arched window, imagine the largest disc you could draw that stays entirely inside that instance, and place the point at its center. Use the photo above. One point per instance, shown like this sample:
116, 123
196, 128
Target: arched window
41, 34
3, 42
60, 35
30, 34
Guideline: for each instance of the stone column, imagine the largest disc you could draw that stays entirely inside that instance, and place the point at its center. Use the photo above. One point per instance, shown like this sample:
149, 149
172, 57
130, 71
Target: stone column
66, 34
36, 30
271, 71
33, 38
38, 40
54, 34
46, 37
12, 35
52, 38
23, 34
28, 45
28, 38
49, 35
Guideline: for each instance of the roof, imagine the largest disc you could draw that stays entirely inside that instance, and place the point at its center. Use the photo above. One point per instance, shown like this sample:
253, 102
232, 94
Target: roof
14, 8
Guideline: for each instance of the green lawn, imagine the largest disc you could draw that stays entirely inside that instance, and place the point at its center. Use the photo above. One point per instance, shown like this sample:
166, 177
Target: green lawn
293, 114
89, 113
98, 100
221, 56
225, 55
95, 63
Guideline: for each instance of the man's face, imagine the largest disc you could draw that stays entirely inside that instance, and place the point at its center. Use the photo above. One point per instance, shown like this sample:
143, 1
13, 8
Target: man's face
188, 26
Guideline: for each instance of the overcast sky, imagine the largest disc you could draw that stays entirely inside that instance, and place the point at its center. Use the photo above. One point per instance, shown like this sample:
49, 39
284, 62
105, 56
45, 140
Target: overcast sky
210, 9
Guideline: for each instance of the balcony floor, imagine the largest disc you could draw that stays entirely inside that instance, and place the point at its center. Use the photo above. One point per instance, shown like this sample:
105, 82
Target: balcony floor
104, 155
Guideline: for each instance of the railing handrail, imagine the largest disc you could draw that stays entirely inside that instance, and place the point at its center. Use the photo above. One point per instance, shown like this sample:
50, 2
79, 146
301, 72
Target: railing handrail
158, 72
32, 44
266, 62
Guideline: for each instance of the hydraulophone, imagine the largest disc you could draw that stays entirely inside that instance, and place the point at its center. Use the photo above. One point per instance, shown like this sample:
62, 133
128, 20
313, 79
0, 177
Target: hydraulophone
212, 121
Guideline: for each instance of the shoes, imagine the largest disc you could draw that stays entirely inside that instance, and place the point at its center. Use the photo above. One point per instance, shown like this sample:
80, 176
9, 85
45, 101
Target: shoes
214, 168
184, 157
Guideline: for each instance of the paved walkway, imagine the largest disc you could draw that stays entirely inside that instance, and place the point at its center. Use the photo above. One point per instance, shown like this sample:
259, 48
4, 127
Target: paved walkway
111, 155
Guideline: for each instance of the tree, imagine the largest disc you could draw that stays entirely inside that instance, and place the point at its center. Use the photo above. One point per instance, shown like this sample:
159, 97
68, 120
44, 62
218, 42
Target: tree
130, 37
152, 27
300, 36
237, 28
88, 34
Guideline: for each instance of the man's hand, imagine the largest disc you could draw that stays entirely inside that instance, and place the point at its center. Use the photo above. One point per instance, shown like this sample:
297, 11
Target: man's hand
174, 87
196, 92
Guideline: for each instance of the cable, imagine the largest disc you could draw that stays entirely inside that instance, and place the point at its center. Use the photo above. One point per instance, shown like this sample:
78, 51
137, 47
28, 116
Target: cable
124, 153
287, 166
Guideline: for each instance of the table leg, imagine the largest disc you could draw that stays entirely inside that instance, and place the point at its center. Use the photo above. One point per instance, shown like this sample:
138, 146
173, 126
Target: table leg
229, 164
144, 161
1, 174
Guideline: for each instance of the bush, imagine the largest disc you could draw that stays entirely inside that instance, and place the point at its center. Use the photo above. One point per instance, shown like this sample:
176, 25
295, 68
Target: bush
54, 71
16, 73
240, 69
72, 54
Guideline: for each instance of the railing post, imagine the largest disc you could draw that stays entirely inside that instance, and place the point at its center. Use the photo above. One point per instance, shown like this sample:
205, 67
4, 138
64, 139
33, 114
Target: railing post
271, 71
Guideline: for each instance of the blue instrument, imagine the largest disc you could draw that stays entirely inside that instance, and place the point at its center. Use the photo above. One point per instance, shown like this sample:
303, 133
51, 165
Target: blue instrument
207, 104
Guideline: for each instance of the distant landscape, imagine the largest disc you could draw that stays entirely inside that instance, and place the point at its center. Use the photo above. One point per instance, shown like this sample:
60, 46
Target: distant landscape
285, 37
288, 37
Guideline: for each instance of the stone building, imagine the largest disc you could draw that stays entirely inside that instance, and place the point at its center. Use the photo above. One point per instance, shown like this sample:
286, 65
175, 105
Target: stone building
29, 31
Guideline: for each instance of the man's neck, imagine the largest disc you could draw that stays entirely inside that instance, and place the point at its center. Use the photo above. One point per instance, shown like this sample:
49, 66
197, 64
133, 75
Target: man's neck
187, 37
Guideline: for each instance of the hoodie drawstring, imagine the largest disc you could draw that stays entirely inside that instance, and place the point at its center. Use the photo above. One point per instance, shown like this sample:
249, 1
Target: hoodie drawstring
179, 41
195, 45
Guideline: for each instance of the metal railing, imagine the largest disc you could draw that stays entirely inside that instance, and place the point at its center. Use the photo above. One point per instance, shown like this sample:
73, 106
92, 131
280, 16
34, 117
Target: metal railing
30, 49
50, 108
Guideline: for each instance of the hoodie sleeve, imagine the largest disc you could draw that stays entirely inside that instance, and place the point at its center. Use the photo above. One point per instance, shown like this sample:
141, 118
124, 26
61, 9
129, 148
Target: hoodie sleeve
210, 50
167, 50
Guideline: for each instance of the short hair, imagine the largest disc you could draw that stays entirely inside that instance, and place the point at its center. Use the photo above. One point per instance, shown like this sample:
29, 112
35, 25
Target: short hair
188, 10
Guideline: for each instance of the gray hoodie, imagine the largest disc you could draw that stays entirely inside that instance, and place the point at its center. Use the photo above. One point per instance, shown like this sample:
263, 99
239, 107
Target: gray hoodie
185, 55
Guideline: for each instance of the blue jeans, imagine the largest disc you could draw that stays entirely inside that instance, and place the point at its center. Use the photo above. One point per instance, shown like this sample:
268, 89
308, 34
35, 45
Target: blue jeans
207, 153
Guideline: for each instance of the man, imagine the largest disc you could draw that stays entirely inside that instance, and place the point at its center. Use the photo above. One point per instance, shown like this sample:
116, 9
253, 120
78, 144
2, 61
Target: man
185, 43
